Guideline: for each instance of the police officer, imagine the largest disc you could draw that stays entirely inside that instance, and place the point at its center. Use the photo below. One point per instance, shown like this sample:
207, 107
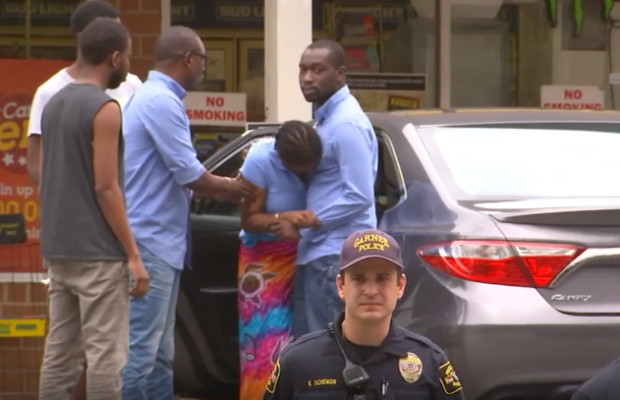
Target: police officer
603, 386
364, 355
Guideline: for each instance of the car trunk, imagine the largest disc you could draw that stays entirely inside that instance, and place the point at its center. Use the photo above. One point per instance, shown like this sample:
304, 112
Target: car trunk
590, 282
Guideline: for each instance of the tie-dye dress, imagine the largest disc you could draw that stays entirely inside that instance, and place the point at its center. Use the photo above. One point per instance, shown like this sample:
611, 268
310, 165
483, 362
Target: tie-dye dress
265, 283
265, 272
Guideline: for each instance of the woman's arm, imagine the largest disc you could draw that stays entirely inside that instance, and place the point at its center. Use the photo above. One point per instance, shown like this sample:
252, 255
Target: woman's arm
254, 219
253, 216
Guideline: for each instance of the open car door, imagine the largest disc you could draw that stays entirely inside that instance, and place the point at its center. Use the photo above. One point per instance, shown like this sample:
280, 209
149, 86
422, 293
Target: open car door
207, 353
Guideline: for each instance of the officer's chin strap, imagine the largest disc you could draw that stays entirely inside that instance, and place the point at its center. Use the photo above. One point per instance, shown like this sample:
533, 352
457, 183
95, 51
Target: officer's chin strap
354, 375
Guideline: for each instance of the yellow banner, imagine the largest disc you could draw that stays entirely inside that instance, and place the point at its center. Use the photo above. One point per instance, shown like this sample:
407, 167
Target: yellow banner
22, 328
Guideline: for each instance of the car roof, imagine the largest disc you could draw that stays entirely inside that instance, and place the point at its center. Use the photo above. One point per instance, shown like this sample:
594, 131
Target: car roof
477, 116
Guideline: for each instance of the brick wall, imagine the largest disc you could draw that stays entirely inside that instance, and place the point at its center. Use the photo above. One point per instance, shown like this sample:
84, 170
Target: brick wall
20, 358
143, 19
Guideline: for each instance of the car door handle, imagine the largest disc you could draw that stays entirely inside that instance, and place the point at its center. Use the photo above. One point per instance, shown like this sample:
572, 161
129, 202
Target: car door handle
219, 290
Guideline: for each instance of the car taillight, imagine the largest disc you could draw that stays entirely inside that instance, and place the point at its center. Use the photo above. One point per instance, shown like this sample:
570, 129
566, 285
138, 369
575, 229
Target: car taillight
501, 262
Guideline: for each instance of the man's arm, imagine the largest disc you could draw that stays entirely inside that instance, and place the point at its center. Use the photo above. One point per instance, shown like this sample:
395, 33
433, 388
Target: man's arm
33, 157
106, 136
33, 152
220, 188
355, 159
164, 118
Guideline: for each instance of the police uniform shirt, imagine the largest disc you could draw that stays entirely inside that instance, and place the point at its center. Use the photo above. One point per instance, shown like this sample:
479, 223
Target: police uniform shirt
603, 386
406, 366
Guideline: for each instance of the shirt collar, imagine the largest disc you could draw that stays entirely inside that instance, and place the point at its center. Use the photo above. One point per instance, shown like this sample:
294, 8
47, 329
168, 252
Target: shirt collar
395, 343
323, 112
168, 81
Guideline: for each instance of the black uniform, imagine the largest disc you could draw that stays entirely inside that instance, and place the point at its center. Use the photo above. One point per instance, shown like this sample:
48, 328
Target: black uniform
603, 386
405, 366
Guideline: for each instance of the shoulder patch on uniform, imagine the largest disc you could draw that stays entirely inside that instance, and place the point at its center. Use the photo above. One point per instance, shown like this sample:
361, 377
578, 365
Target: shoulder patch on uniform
450, 382
273, 378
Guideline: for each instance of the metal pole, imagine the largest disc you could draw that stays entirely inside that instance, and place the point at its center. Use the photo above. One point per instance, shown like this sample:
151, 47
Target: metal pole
443, 45
438, 53
166, 15
285, 40
28, 26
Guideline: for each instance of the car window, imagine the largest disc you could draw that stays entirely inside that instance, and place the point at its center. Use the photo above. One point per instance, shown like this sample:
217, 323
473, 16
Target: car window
517, 162
389, 184
229, 167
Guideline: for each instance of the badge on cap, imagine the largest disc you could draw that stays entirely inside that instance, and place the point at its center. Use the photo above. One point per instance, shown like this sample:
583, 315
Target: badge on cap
410, 367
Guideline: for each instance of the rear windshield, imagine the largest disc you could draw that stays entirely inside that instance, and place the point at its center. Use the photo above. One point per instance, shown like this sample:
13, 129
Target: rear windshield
528, 161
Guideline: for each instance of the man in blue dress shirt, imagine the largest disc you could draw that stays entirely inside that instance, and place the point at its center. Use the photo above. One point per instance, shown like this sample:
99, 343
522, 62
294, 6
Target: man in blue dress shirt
341, 193
161, 172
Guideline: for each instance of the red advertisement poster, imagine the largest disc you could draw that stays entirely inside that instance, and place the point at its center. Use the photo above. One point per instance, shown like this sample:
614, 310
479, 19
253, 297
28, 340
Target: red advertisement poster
18, 194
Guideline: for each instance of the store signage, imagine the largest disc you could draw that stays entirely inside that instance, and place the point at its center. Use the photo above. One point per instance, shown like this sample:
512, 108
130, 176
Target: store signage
216, 109
42, 12
235, 12
239, 14
249, 14
211, 14
19, 195
22, 327
572, 97
388, 92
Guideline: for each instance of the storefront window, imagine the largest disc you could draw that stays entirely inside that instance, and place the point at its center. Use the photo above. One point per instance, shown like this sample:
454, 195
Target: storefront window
46, 36
487, 79
378, 41
252, 77
391, 49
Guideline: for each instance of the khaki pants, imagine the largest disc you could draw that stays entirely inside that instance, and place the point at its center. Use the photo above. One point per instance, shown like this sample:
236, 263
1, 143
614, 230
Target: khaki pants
89, 315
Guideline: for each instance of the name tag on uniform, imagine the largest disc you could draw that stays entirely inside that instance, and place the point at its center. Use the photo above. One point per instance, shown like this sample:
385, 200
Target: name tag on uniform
322, 382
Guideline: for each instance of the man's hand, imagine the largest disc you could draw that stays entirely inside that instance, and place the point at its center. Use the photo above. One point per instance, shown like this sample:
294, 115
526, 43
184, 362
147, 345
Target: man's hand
240, 190
285, 230
301, 219
140, 283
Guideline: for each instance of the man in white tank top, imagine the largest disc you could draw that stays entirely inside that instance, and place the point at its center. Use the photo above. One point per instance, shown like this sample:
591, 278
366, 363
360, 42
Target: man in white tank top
83, 15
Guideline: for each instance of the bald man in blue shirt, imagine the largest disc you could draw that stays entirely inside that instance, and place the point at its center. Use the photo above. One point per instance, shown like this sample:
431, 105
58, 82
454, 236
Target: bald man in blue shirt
162, 173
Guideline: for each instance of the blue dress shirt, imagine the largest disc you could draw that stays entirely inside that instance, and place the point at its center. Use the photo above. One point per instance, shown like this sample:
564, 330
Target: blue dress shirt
341, 192
159, 162
285, 191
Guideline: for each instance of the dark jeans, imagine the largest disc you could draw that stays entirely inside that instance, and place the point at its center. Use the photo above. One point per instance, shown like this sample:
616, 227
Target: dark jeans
315, 299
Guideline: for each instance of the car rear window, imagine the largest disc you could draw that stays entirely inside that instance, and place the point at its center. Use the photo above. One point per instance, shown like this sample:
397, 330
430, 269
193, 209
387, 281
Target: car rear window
528, 161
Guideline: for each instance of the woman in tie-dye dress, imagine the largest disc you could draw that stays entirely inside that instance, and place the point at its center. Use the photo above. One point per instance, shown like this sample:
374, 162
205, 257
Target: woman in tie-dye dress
280, 169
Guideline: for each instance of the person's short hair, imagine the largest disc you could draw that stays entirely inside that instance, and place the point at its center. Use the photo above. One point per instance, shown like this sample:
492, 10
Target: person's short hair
298, 143
102, 38
175, 41
89, 11
336, 52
